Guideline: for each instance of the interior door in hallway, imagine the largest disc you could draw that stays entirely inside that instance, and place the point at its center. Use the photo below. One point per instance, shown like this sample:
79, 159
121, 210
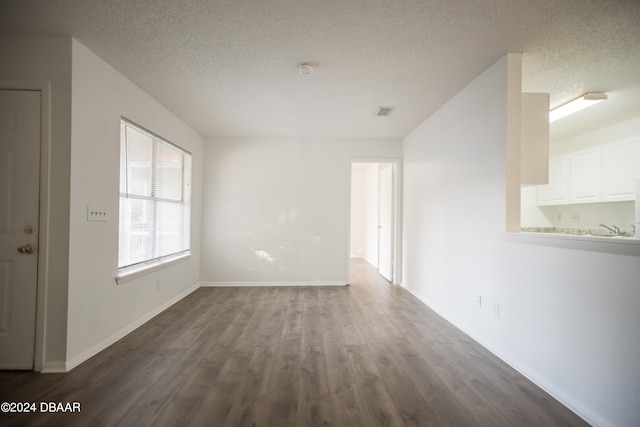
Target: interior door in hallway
385, 222
19, 208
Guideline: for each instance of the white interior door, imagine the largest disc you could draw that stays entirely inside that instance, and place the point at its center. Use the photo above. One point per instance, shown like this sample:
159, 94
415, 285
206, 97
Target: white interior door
19, 207
385, 222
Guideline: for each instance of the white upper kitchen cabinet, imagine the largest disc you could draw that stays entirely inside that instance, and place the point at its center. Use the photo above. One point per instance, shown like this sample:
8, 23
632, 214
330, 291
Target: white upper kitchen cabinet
620, 169
586, 176
556, 191
606, 173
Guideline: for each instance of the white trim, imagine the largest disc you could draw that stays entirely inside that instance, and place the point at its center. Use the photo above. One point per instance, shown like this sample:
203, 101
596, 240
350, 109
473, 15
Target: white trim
279, 284
397, 271
567, 401
44, 87
55, 367
87, 354
127, 274
347, 243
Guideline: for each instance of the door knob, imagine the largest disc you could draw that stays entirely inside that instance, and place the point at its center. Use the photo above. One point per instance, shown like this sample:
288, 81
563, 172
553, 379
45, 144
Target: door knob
26, 249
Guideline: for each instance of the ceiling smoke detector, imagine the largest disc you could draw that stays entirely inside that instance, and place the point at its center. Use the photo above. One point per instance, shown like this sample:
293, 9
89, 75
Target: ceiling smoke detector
305, 68
384, 111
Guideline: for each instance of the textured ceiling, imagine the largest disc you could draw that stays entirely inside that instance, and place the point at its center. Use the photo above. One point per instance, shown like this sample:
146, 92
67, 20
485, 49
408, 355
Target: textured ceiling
229, 67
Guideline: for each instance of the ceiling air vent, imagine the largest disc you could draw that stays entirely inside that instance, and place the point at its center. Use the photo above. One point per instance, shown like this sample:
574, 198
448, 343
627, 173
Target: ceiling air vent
384, 111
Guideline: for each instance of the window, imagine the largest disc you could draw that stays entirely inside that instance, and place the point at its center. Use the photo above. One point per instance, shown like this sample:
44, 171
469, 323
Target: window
155, 197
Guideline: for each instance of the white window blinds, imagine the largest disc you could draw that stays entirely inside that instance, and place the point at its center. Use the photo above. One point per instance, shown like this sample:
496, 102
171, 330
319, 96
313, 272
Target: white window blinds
155, 197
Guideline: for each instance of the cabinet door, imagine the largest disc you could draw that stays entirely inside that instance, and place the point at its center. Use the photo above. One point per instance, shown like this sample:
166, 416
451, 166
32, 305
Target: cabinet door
619, 171
555, 192
586, 176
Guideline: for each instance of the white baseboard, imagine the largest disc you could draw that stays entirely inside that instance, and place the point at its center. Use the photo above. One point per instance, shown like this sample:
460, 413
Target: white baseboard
575, 407
371, 261
86, 355
54, 367
249, 284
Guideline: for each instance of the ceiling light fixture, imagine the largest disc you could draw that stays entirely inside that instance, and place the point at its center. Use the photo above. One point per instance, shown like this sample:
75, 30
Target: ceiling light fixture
305, 68
586, 100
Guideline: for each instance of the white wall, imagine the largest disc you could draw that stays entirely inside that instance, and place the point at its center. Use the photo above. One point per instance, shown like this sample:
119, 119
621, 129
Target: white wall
29, 60
371, 219
357, 213
614, 133
101, 311
591, 215
530, 214
277, 210
364, 213
568, 318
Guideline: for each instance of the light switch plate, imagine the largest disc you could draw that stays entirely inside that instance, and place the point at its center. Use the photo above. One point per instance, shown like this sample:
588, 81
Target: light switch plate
95, 214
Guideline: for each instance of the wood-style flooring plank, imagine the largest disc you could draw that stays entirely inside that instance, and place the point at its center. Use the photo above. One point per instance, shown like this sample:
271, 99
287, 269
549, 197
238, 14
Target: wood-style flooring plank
222, 391
315, 406
180, 409
379, 407
406, 397
343, 387
282, 399
430, 370
145, 409
251, 398
349, 330
293, 321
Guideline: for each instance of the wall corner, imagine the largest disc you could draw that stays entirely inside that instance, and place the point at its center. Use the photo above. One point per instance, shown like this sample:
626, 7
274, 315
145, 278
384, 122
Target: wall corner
514, 124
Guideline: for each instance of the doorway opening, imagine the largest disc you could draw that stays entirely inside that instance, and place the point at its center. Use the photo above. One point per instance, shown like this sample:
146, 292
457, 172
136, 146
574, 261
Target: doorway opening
375, 216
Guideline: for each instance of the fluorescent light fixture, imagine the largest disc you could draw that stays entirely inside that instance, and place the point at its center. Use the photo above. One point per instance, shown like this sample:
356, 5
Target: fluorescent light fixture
586, 100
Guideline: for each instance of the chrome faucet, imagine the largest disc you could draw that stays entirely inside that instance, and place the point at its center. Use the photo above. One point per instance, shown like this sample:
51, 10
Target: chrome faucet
615, 230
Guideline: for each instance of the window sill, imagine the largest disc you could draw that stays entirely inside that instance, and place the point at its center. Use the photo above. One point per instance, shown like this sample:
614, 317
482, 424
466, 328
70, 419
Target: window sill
615, 245
127, 274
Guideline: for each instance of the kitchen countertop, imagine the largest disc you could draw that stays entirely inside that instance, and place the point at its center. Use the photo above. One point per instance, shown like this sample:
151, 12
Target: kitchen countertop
586, 232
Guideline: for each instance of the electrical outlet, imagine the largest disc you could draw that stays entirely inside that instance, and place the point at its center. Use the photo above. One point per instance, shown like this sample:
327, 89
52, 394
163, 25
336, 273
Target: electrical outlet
496, 310
559, 217
479, 301
575, 217
158, 284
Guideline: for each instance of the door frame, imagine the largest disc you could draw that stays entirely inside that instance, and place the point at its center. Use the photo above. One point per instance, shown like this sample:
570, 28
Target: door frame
44, 87
397, 218
381, 226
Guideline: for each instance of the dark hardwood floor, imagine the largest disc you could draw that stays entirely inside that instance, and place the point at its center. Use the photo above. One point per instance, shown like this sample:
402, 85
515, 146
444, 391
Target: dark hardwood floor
369, 354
